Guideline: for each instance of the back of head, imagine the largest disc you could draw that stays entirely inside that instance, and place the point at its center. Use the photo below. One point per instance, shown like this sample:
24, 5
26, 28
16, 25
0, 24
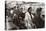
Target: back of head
38, 11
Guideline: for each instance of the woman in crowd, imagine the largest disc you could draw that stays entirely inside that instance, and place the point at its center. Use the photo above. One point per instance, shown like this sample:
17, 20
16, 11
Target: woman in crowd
28, 18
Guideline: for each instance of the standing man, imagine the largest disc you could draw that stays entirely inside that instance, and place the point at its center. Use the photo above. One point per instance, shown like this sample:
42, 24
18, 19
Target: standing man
38, 21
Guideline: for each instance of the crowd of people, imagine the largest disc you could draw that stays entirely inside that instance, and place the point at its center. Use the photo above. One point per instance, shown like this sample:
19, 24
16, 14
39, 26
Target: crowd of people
24, 20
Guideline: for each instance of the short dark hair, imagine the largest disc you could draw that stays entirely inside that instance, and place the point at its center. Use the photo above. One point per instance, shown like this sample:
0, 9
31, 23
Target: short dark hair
39, 9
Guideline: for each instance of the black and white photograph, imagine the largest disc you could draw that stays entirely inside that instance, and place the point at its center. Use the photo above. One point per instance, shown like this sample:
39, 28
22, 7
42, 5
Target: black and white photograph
20, 15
